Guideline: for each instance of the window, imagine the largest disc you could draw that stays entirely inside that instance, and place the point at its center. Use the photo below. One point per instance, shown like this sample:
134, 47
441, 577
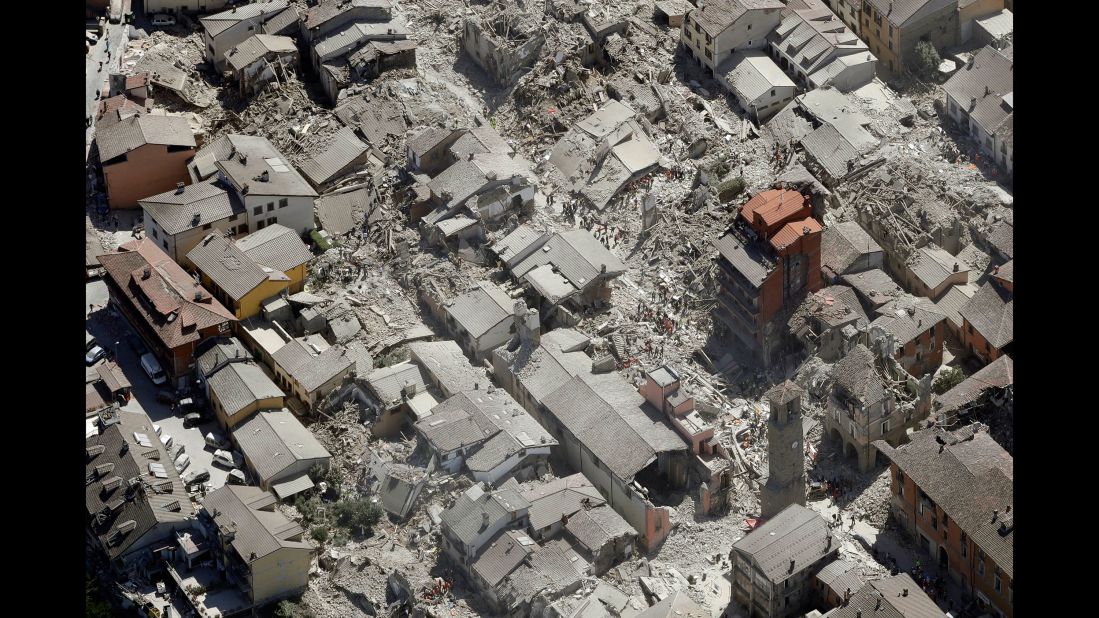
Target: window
749, 26
259, 225
709, 39
890, 65
270, 206
272, 220
884, 427
965, 547
284, 202
207, 226
697, 29
772, 92
709, 54
153, 230
890, 31
258, 210
165, 243
890, 45
749, 43
1011, 594
996, 581
981, 567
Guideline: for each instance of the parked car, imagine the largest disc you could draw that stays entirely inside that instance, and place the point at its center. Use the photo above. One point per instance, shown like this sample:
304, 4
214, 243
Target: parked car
166, 440
180, 449
161, 20
94, 355
157, 429
152, 369
165, 396
197, 475
92, 37
182, 462
89, 342
216, 441
236, 477
227, 458
194, 419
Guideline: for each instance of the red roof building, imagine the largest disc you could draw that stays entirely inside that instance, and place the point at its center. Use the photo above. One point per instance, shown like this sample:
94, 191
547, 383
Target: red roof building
770, 258
163, 303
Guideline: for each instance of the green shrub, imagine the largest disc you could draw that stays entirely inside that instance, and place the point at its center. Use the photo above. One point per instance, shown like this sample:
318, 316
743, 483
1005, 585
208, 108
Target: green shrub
357, 515
730, 189
319, 533
285, 609
948, 379
926, 60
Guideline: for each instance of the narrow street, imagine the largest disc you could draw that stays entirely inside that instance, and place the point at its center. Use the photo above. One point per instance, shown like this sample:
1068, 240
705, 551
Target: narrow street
95, 79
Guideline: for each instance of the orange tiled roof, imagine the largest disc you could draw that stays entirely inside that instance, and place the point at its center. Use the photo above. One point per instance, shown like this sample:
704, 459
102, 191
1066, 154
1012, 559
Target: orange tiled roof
790, 232
773, 206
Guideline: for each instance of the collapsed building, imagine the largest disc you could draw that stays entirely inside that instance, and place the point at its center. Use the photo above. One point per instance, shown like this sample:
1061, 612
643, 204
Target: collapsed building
604, 152
769, 259
504, 40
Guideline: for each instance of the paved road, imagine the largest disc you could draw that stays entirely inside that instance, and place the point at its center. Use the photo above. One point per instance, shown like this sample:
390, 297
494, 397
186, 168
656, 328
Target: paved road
108, 331
94, 78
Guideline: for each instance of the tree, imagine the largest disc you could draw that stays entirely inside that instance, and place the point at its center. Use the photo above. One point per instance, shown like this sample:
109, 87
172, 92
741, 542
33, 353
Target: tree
926, 59
948, 379
320, 533
357, 514
728, 190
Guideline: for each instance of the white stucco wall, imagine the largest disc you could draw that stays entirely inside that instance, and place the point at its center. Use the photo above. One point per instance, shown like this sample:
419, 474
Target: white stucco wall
296, 215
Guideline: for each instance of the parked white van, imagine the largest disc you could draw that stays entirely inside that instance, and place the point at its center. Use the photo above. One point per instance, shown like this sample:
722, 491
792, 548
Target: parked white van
152, 368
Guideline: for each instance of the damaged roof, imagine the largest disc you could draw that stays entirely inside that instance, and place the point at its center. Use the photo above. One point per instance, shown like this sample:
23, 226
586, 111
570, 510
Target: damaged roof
797, 535
465, 518
998, 374
933, 265
908, 317
505, 551
256, 47
562, 497
991, 312
857, 375
249, 157
387, 383
445, 363
577, 255
969, 476
344, 149
846, 245
132, 133
676, 605
341, 213
311, 370
747, 259
831, 150
784, 393
594, 527
751, 74
874, 287
177, 211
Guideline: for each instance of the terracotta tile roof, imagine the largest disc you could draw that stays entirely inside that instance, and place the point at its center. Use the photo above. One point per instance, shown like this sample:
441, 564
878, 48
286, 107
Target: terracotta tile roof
168, 299
137, 81
991, 312
773, 206
790, 232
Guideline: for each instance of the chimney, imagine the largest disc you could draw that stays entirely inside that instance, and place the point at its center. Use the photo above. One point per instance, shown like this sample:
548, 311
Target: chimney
266, 176
829, 546
995, 514
179, 188
904, 593
527, 324
858, 613
198, 295
877, 605
484, 520
244, 157
955, 267
791, 566
146, 272
602, 269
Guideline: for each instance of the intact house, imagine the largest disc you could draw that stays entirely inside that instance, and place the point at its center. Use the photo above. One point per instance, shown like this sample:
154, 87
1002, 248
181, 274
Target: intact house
850, 11
488, 433
769, 259
565, 272
930, 271
892, 29
953, 491
603, 153
772, 565
476, 516
917, 330
142, 156
836, 583
228, 29
134, 498
980, 100
759, 85
716, 30
311, 371
482, 319
257, 548
606, 429
167, 308
179, 219
846, 249
260, 59
279, 452
245, 273
263, 180
863, 408
818, 50
238, 388
988, 322
105, 385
